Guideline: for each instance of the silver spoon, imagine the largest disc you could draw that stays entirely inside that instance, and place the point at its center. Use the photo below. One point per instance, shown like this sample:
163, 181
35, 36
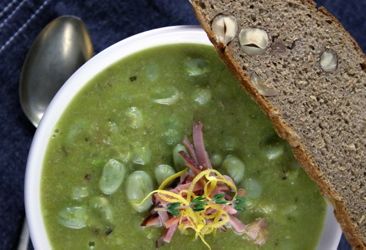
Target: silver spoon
58, 51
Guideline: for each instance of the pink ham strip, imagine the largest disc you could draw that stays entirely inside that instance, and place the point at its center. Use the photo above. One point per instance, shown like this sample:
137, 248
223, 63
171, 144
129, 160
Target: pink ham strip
199, 146
257, 231
236, 224
163, 215
170, 232
189, 162
181, 187
230, 210
184, 178
152, 221
190, 149
210, 211
171, 222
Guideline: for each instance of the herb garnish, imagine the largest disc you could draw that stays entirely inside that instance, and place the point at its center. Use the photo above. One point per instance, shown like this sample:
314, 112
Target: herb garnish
239, 203
198, 203
173, 208
219, 199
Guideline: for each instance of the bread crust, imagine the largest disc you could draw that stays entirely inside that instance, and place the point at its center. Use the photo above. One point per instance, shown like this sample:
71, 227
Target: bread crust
353, 235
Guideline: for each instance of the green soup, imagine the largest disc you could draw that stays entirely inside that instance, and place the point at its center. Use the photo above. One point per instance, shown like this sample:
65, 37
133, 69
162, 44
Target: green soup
136, 112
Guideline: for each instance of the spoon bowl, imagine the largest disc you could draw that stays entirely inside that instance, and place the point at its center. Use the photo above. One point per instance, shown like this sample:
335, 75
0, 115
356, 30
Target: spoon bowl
57, 52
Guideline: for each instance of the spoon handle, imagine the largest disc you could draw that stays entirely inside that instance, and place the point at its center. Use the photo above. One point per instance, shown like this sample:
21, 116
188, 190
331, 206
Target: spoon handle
24, 237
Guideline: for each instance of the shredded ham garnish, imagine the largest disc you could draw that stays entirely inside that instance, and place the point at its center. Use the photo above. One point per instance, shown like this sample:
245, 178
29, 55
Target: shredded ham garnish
257, 231
199, 146
203, 200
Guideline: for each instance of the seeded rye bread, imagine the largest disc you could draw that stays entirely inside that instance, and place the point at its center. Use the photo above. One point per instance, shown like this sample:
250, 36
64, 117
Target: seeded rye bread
310, 78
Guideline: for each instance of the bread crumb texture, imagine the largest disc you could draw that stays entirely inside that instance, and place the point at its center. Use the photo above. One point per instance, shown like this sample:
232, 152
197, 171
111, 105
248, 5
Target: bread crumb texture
318, 73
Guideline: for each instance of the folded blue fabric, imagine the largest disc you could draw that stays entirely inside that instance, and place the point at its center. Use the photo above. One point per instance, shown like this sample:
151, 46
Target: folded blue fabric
108, 21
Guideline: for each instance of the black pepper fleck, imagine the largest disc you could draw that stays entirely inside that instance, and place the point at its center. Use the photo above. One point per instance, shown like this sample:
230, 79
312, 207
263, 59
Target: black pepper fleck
64, 151
87, 177
108, 231
133, 78
96, 231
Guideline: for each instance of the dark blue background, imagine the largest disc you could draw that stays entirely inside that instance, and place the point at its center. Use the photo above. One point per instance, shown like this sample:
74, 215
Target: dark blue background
108, 21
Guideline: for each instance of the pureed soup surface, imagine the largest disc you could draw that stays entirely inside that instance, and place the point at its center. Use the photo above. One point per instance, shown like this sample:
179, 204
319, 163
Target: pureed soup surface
136, 112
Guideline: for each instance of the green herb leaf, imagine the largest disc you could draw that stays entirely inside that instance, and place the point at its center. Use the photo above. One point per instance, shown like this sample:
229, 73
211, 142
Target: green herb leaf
173, 208
198, 203
239, 203
219, 199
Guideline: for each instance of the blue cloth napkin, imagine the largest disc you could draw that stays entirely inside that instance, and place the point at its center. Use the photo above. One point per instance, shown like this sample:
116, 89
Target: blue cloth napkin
108, 21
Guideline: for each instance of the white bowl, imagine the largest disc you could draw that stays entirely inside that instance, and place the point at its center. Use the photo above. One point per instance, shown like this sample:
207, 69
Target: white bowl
169, 35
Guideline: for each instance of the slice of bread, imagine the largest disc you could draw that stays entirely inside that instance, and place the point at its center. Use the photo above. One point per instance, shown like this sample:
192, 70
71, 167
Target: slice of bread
309, 76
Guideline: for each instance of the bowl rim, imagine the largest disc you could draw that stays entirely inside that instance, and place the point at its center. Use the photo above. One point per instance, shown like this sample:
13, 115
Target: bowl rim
331, 233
